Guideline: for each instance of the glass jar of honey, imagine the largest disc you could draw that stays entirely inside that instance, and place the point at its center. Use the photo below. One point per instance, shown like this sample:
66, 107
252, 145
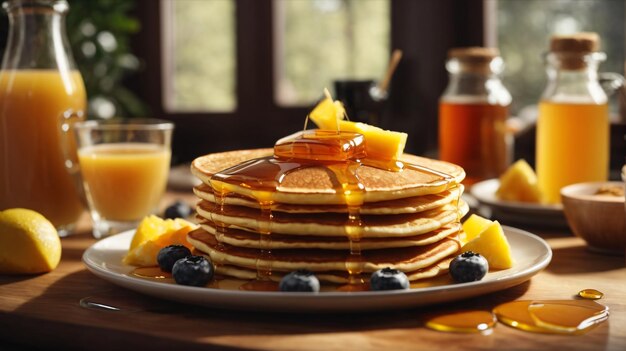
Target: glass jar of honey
573, 121
472, 114
41, 94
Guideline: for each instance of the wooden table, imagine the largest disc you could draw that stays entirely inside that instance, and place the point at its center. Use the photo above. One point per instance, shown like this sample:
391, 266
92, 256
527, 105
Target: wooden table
44, 311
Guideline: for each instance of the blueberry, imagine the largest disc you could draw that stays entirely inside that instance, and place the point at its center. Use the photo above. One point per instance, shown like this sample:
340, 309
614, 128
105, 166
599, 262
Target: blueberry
193, 270
167, 256
389, 279
178, 209
468, 267
300, 280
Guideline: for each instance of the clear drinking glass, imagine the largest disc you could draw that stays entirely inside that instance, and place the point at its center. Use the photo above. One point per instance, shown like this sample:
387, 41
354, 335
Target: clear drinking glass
124, 166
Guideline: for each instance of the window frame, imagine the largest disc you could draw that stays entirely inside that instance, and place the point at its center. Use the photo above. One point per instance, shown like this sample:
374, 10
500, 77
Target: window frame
258, 121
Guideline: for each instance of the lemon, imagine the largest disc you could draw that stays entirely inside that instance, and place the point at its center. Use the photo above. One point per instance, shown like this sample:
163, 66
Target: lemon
492, 244
474, 225
153, 234
519, 183
29, 243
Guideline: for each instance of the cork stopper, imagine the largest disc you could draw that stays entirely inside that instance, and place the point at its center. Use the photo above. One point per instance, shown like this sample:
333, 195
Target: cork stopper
572, 48
474, 54
474, 59
575, 43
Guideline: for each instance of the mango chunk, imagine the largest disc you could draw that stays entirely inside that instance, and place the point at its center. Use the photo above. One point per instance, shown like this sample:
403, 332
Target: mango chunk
474, 225
492, 244
519, 183
380, 144
152, 235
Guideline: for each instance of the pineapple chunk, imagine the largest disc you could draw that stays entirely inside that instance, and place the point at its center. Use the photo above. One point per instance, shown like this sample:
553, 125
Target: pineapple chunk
492, 244
152, 235
384, 145
519, 183
474, 225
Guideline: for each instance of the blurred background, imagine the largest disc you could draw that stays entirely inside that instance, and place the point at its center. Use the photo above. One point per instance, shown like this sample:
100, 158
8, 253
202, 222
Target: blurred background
242, 73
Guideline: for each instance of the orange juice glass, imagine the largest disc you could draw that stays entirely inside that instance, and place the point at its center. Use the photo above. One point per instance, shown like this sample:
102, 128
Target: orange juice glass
124, 168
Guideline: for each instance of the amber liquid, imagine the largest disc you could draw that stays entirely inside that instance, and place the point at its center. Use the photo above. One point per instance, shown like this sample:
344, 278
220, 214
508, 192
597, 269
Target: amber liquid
463, 322
572, 146
473, 135
552, 316
33, 171
340, 153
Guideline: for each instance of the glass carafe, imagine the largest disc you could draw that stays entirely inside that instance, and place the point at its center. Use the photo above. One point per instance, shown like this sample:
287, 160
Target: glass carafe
573, 122
41, 93
472, 114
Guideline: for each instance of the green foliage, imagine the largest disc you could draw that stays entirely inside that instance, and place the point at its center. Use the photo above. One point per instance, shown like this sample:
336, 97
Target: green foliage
99, 33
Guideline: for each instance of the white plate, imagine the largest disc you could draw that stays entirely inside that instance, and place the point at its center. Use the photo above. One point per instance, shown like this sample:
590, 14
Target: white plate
531, 255
517, 212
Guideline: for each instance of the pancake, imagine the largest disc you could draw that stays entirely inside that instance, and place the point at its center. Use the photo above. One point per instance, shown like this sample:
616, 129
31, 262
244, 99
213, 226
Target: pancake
406, 259
333, 224
405, 205
246, 239
337, 277
318, 185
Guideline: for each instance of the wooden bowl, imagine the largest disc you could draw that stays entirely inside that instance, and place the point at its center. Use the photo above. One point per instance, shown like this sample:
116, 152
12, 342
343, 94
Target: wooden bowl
598, 219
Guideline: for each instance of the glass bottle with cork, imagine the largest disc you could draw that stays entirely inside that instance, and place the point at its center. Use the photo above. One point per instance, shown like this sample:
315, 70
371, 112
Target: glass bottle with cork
573, 121
472, 114
41, 94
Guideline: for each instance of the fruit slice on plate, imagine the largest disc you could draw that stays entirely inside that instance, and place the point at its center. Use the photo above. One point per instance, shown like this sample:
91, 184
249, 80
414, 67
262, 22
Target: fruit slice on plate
474, 225
152, 235
492, 244
519, 183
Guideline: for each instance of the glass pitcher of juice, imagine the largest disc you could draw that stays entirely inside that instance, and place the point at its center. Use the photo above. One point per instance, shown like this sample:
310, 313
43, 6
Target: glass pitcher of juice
573, 121
472, 114
41, 93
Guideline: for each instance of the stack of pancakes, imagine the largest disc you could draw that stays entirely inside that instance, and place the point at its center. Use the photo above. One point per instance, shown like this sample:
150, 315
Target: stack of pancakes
409, 221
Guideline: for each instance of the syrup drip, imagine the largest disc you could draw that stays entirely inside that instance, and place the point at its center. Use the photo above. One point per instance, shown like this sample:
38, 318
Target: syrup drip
341, 153
552, 316
152, 273
590, 294
463, 322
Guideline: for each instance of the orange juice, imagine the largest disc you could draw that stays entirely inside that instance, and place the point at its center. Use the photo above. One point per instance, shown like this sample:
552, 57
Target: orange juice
473, 135
32, 164
572, 146
124, 181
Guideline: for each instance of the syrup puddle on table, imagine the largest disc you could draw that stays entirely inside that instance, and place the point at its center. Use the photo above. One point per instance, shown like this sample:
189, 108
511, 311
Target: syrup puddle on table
464, 322
569, 317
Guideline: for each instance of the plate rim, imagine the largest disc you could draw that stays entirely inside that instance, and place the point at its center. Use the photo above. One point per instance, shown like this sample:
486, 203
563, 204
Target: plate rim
140, 285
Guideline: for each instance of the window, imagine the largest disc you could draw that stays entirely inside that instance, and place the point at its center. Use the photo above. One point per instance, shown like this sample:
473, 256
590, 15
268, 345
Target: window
318, 41
236, 74
199, 55
523, 32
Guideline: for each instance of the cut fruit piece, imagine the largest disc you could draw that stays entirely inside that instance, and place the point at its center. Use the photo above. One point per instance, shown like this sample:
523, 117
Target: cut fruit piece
492, 244
384, 145
152, 235
519, 183
327, 113
474, 225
